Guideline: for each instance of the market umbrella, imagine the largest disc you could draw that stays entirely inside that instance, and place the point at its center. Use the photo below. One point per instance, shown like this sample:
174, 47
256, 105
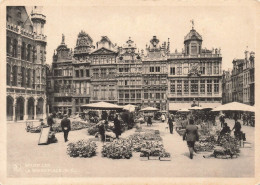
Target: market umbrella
129, 107
183, 110
149, 109
196, 108
102, 106
235, 106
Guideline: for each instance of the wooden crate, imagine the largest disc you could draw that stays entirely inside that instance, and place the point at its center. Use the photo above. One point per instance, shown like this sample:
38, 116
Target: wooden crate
165, 158
144, 158
154, 157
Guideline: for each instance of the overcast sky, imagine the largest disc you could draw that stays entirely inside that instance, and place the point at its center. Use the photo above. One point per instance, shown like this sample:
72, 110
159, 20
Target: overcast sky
228, 28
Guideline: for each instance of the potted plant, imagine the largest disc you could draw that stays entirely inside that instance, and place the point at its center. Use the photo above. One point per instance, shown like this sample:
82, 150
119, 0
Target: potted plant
144, 156
155, 154
165, 156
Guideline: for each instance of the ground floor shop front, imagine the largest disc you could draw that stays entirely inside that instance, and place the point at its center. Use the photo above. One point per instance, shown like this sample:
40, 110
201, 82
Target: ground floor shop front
25, 107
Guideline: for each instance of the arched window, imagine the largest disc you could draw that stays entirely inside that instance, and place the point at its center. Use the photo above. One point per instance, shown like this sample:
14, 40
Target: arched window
14, 76
23, 77
8, 74
23, 51
15, 48
29, 52
29, 78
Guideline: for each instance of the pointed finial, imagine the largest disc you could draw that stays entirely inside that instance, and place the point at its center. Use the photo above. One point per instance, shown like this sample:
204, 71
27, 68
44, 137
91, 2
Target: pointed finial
63, 39
192, 22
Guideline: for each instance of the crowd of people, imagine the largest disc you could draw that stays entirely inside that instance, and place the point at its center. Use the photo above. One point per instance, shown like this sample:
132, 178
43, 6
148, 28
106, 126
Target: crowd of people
189, 121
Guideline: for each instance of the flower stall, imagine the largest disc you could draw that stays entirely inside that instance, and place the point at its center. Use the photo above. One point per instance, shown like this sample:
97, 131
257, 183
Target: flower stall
82, 148
117, 149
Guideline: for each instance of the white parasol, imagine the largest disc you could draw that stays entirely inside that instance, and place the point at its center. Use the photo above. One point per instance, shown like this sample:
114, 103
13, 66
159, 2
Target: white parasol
149, 109
196, 108
129, 107
102, 106
235, 106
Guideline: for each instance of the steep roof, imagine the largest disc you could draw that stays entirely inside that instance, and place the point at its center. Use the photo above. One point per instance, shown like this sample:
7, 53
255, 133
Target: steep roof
193, 35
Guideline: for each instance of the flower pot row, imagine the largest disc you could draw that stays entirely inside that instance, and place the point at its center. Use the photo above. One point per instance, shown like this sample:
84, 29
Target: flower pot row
155, 158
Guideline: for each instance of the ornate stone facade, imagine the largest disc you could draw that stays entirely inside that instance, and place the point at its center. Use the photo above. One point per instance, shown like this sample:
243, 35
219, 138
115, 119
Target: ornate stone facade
26, 68
194, 75
154, 75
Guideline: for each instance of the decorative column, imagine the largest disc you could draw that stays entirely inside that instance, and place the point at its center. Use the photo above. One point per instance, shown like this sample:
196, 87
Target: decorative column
14, 106
35, 105
25, 108
44, 108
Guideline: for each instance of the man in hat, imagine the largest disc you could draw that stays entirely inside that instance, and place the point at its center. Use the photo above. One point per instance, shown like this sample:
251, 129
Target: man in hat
65, 125
50, 121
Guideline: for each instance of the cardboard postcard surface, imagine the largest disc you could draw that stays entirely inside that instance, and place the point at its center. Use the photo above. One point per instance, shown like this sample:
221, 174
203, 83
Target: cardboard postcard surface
163, 63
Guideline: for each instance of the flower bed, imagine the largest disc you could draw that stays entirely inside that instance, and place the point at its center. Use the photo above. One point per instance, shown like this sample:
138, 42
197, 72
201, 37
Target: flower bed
75, 125
165, 156
205, 143
118, 149
82, 148
229, 144
92, 131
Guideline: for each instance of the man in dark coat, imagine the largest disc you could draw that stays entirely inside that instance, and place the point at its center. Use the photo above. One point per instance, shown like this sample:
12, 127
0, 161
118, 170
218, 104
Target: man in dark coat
65, 125
191, 135
170, 122
50, 121
222, 120
117, 127
237, 128
226, 129
149, 121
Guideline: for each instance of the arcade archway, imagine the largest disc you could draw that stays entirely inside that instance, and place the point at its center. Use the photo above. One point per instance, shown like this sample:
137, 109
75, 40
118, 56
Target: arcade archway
19, 110
39, 108
30, 108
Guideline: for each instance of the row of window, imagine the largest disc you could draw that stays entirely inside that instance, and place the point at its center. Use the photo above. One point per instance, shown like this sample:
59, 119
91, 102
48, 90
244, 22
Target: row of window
81, 101
154, 95
82, 73
103, 60
130, 82
201, 70
27, 76
193, 88
27, 50
129, 95
63, 72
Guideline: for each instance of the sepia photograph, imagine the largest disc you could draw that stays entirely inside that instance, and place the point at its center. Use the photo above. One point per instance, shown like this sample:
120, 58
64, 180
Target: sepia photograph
133, 90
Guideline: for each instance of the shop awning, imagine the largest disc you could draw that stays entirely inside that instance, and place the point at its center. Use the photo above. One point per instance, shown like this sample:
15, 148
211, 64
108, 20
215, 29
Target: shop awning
178, 106
209, 105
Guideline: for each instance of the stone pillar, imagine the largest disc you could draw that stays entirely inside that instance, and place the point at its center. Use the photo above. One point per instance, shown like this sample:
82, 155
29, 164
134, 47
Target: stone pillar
44, 109
25, 109
35, 105
14, 106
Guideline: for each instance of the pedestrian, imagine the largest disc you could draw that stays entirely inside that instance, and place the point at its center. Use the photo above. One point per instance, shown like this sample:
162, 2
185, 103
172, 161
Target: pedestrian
170, 123
237, 131
117, 126
50, 121
163, 118
222, 119
101, 130
244, 118
65, 125
191, 136
149, 121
